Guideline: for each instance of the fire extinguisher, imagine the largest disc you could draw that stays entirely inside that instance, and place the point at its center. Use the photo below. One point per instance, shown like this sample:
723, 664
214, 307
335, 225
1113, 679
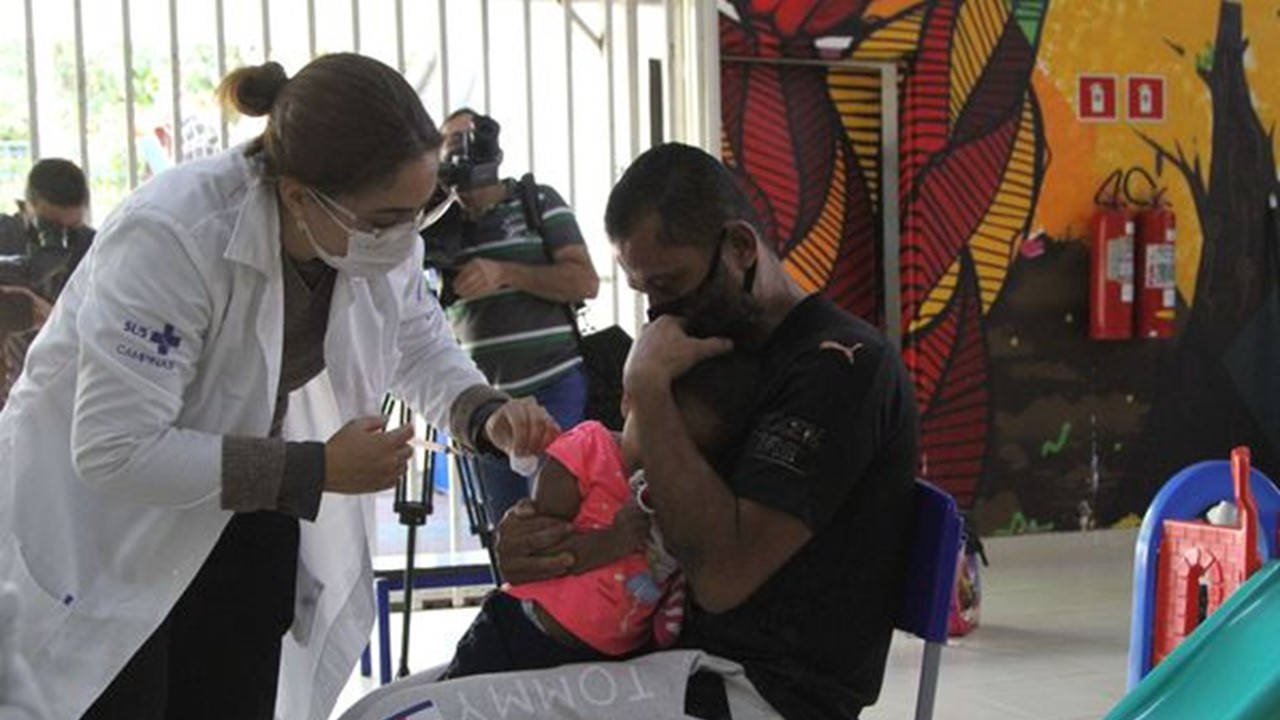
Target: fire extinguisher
1111, 264
1156, 241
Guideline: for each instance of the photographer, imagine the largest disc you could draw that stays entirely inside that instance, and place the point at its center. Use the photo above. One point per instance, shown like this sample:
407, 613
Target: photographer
40, 247
513, 264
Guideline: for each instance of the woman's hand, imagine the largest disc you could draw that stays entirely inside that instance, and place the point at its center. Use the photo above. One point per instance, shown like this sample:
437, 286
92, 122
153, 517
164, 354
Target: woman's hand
362, 458
521, 427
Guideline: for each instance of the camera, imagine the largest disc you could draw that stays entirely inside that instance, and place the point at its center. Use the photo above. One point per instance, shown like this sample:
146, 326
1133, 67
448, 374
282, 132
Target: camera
471, 158
45, 262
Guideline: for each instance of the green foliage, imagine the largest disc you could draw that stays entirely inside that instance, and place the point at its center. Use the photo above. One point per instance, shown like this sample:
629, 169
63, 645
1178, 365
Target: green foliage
1204, 59
105, 120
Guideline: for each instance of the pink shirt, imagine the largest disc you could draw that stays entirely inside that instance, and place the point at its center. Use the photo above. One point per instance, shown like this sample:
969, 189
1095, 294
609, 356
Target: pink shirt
609, 608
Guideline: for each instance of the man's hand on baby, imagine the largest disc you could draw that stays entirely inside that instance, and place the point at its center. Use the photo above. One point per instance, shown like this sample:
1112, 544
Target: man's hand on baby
525, 545
631, 524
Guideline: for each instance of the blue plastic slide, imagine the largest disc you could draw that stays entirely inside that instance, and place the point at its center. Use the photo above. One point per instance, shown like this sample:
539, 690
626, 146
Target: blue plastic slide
1228, 669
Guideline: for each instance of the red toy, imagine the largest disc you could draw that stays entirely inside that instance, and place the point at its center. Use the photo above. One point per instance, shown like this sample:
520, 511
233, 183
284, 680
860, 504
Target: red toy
1194, 553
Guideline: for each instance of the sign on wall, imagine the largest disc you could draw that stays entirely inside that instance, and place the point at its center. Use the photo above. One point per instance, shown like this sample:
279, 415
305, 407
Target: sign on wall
1098, 98
1146, 98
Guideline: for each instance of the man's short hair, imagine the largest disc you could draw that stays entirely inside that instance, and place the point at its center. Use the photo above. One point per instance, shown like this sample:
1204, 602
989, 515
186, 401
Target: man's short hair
464, 110
694, 194
58, 182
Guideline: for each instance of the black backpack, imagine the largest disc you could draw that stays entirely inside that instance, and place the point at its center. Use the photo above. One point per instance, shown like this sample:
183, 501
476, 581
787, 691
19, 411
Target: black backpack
604, 352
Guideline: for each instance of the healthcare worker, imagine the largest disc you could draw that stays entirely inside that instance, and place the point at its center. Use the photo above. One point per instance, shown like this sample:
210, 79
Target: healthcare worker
151, 508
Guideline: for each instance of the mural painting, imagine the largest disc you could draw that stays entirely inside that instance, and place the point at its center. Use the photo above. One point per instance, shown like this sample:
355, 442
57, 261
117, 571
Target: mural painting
1028, 422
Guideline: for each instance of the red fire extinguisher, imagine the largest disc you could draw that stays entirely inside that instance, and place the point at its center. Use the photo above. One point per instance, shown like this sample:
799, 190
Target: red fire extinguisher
1111, 265
1156, 240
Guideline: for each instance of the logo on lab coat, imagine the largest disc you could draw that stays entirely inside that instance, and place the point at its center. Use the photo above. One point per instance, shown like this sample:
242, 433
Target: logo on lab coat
164, 340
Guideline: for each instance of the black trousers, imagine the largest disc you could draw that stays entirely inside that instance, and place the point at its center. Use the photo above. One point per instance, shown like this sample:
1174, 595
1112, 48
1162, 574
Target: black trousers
217, 654
502, 638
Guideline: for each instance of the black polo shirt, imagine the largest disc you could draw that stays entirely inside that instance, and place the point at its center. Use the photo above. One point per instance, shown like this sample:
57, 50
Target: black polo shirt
835, 445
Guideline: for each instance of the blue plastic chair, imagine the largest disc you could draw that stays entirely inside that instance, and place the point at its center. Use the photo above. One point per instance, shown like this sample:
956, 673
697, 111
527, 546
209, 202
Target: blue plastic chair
1186, 496
931, 576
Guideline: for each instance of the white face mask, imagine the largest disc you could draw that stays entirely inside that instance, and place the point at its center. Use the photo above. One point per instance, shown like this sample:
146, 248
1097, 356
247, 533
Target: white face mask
369, 253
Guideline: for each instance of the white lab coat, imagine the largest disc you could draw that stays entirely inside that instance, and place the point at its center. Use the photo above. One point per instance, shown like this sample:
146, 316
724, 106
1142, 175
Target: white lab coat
167, 338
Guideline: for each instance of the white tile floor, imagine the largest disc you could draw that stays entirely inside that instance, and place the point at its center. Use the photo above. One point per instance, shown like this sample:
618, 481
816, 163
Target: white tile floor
1051, 646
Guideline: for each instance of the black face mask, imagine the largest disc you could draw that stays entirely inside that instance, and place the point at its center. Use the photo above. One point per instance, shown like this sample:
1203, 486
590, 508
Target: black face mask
713, 310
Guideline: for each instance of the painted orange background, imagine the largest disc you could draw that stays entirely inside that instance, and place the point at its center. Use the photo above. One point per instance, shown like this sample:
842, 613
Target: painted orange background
1124, 38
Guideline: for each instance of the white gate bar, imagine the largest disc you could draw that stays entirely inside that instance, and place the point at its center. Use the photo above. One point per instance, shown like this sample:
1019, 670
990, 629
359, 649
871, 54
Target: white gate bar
401, 65
33, 107
708, 51
175, 79
528, 80
567, 6
355, 25
221, 48
611, 92
130, 120
444, 56
484, 54
311, 29
633, 88
266, 30
82, 97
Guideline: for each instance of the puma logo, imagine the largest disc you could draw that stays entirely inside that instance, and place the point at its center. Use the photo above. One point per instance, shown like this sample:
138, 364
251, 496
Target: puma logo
849, 351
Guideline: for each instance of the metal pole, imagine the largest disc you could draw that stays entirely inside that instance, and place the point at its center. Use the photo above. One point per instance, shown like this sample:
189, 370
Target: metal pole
484, 57
311, 29
130, 120
175, 81
674, 96
656, 114
611, 91
445, 100
221, 43
413, 512
528, 79
633, 88
33, 105
891, 220
709, 55
408, 602
82, 96
568, 84
355, 25
266, 30
401, 64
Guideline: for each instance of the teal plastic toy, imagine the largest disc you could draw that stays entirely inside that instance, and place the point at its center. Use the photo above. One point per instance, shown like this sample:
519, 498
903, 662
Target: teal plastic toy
1228, 669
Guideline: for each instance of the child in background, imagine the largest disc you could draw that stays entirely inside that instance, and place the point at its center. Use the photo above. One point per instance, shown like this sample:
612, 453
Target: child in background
624, 593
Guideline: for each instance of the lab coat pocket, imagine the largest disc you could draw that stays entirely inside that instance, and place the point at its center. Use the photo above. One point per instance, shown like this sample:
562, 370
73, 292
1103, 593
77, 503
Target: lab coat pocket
306, 603
42, 613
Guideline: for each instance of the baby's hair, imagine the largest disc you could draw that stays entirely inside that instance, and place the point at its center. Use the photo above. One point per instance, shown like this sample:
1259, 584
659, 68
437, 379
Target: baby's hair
726, 388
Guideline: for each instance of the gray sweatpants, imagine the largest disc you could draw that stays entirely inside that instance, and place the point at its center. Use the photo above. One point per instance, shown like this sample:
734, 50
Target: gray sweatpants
651, 687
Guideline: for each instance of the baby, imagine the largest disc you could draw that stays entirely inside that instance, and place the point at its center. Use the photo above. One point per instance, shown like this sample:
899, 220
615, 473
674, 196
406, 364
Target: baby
624, 594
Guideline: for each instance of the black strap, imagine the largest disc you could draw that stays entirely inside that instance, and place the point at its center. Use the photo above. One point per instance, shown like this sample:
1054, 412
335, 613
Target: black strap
527, 187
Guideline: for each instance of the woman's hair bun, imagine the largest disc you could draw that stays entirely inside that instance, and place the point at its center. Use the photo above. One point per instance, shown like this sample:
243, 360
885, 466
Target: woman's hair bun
253, 90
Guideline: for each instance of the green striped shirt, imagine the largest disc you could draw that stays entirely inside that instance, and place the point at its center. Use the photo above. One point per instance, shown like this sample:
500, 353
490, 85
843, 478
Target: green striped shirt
520, 342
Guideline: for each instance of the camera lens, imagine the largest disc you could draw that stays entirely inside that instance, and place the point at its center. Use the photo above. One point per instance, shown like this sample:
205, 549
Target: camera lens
484, 140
